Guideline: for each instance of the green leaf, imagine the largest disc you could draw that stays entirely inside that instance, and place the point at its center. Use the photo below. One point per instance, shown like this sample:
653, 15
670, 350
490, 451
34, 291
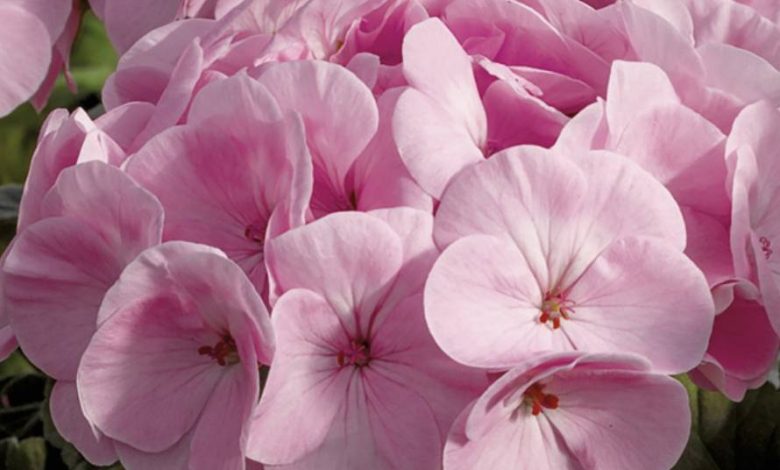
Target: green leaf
29, 454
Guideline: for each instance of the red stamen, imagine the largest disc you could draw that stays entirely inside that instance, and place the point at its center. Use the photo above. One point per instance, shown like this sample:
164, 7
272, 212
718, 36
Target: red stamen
535, 396
224, 352
358, 355
554, 307
255, 232
766, 247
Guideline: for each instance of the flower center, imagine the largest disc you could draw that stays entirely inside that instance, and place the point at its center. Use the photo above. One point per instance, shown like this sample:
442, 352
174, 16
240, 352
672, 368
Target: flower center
554, 307
255, 232
535, 397
358, 354
224, 352
766, 247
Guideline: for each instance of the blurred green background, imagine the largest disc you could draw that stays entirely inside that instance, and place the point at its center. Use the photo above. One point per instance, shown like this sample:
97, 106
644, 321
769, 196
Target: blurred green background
726, 436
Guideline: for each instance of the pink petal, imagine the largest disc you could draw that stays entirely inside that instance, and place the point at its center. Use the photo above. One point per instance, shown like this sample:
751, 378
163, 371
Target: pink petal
97, 194
482, 304
233, 101
58, 148
407, 354
349, 258
309, 334
174, 457
381, 178
657, 41
598, 414
71, 424
439, 124
221, 436
415, 229
743, 347
124, 123
625, 103
134, 368
515, 118
740, 73
512, 446
339, 114
380, 425
25, 56
644, 297
126, 23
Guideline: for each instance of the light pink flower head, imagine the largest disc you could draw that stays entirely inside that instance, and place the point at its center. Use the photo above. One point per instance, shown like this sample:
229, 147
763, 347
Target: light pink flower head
36, 36
547, 253
237, 174
357, 381
172, 371
754, 161
573, 410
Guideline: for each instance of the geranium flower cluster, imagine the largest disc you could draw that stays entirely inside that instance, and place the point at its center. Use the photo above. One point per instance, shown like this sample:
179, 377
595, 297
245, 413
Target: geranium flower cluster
412, 234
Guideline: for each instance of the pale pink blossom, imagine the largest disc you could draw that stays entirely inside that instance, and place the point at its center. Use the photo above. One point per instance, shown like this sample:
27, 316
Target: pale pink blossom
172, 372
357, 381
573, 410
58, 269
546, 253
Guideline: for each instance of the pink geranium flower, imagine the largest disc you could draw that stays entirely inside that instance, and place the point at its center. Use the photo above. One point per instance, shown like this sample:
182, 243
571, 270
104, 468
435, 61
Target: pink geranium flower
237, 174
573, 410
357, 381
546, 253
172, 372
59, 268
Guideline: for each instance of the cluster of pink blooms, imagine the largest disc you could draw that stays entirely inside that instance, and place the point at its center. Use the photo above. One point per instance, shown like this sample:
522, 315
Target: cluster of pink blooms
399, 234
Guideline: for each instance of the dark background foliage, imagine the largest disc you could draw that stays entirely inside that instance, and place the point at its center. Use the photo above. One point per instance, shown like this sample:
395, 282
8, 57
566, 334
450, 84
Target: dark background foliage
725, 435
